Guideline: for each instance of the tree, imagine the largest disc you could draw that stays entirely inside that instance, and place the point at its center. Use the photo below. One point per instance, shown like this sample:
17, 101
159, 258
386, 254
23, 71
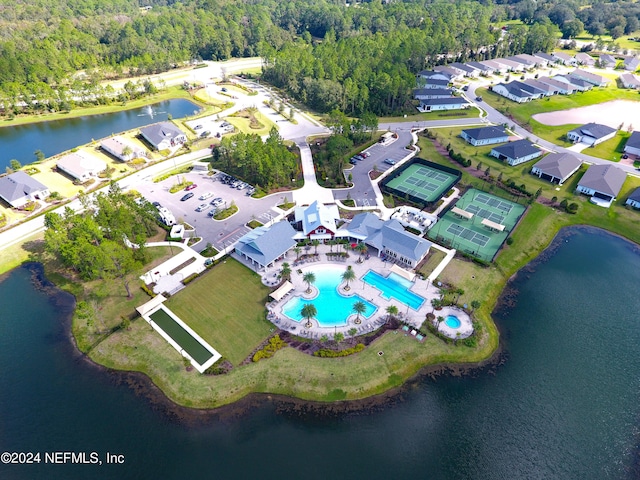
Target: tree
392, 310
440, 319
315, 242
39, 155
348, 276
475, 304
458, 292
309, 278
572, 28
436, 303
15, 165
285, 272
297, 251
308, 311
338, 337
361, 248
353, 331
479, 167
538, 193
359, 308
126, 152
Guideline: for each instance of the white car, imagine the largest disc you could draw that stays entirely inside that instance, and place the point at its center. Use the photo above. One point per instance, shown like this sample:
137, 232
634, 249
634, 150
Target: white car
202, 207
204, 196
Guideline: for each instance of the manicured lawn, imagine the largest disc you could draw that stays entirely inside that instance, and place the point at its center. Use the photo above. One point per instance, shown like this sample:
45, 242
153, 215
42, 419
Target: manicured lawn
434, 259
611, 149
244, 124
225, 306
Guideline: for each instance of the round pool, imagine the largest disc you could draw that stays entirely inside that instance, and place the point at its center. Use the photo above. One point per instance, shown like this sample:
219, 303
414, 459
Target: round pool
452, 321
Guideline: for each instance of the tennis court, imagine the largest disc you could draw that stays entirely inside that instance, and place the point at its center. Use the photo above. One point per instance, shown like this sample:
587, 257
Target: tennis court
422, 183
480, 231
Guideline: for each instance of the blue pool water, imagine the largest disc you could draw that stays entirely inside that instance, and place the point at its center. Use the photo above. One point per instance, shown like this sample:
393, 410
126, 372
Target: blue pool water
394, 286
333, 308
452, 321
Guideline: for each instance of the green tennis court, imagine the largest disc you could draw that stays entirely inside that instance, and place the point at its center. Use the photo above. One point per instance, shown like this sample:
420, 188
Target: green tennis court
422, 182
491, 221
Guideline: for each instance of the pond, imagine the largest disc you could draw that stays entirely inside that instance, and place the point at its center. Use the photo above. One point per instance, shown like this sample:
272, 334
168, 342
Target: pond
21, 141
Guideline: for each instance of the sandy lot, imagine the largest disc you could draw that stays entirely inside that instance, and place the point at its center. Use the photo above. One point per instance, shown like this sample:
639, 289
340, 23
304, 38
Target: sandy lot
610, 113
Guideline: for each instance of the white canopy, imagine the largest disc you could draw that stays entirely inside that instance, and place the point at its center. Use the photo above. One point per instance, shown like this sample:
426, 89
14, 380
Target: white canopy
403, 273
285, 288
462, 213
150, 305
493, 225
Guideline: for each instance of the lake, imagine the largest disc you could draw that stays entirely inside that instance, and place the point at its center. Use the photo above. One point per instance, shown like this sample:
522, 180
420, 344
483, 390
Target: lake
563, 403
21, 141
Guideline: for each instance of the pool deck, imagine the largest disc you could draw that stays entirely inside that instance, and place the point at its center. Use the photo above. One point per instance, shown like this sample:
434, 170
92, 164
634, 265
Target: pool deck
357, 287
463, 331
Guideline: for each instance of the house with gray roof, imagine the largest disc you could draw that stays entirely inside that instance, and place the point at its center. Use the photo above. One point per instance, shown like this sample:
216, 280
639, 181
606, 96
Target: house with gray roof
121, 149
515, 153
466, 70
389, 238
18, 189
545, 56
514, 92
450, 103
495, 66
557, 167
564, 58
429, 93
585, 59
632, 64
264, 245
564, 88
434, 83
592, 78
607, 61
80, 166
431, 75
485, 135
629, 80
580, 84
602, 183
163, 135
510, 64
591, 134
317, 221
632, 147
481, 67
451, 73
548, 90
526, 62
634, 199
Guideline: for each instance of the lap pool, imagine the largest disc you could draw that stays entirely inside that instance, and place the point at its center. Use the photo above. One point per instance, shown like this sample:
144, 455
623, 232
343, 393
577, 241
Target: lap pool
333, 308
394, 286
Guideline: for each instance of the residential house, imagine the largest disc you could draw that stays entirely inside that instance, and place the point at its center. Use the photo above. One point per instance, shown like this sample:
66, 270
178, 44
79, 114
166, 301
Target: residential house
466, 70
514, 92
515, 153
452, 73
510, 64
481, 67
163, 135
317, 221
495, 66
550, 59
580, 84
634, 199
434, 83
592, 78
548, 90
451, 103
632, 64
591, 134
80, 166
607, 61
389, 238
525, 62
585, 59
428, 93
564, 58
563, 88
602, 183
632, 147
557, 167
18, 189
629, 80
485, 135
121, 149
433, 75
533, 60
264, 245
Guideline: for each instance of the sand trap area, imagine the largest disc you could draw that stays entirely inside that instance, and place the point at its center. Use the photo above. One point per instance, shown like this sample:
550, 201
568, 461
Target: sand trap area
610, 113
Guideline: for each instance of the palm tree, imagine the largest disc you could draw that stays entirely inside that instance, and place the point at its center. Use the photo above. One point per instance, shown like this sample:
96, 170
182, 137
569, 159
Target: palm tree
297, 250
315, 242
353, 331
309, 278
440, 319
285, 273
361, 248
392, 310
347, 276
331, 244
359, 308
309, 311
475, 304
436, 303
458, 292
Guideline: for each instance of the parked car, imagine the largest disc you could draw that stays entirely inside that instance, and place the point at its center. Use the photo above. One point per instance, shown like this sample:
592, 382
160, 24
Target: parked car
156, 204
224, 89
197, 127
186, 197
202, 207
251, 191
216, 201
191, 187
365, 154
212, 212
625, 156
205, 133
465, 88
478, 99
390, 161
204, 196
352, 161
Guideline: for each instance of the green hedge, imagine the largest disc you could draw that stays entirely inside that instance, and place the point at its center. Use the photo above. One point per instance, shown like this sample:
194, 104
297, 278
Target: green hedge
275, 343
328, 353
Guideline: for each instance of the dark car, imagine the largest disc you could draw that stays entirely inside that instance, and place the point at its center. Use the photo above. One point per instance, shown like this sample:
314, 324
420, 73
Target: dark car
353, 161
625, 156
156, 204
186, 197
191, 187
465, 88
205, 133
478, 99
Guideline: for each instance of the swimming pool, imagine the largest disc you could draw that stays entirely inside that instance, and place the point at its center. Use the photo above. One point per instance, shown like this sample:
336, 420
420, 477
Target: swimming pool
394, 286
452, 321
333, 308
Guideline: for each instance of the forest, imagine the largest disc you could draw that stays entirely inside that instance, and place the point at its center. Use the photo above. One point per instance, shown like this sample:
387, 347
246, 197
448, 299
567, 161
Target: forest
328, 54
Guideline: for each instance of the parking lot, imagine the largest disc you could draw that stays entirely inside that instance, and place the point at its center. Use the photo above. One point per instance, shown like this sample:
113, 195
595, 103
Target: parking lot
362, 191
220, 234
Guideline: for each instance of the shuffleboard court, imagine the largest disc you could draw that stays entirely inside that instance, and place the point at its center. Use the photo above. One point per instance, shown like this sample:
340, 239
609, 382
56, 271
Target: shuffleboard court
471, 235
422, 182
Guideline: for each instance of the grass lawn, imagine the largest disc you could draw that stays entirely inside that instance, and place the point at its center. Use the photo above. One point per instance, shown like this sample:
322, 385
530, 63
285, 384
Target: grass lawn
13, 256
612, 149
225, 306
263, 125
434, 259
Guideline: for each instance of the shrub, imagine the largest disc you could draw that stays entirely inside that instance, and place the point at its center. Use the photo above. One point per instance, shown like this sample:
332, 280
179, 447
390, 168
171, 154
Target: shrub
147, 290
190, 278
328, 353
509, 241
274, 344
